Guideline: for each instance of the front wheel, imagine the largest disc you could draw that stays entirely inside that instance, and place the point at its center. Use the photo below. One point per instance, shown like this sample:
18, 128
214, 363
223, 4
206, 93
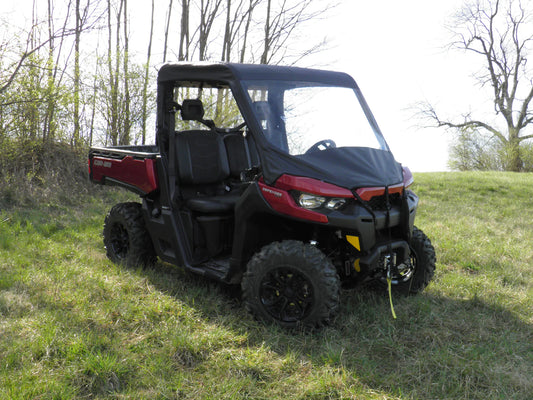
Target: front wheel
292, 284
126, 238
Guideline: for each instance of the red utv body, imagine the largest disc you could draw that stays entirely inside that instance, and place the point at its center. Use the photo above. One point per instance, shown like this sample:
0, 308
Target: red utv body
275, 178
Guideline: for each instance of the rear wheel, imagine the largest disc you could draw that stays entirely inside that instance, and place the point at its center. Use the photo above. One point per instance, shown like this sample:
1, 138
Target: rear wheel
125, 236
292, 284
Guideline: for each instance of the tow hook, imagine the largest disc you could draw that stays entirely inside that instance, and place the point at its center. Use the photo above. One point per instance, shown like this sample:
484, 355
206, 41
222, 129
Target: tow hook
390, 253
389, 261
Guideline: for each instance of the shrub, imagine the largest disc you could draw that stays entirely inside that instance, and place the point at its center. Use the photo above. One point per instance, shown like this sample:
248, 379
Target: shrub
33, 172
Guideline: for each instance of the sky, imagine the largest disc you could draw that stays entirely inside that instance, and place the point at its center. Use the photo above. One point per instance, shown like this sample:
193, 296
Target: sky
397, 52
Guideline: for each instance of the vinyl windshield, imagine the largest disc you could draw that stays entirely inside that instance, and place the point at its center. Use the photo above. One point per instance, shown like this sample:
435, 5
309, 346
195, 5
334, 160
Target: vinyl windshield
300, 118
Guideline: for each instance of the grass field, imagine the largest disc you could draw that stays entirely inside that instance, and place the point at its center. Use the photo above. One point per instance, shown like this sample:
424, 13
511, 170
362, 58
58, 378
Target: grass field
73, 325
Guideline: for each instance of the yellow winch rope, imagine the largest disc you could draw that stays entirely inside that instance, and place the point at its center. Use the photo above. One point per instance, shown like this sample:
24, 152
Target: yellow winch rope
389, 284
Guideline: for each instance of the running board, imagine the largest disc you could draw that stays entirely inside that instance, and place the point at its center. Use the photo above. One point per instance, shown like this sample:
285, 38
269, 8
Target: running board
217, 270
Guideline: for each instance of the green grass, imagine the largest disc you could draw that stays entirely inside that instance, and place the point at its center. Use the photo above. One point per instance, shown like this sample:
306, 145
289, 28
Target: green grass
73, 325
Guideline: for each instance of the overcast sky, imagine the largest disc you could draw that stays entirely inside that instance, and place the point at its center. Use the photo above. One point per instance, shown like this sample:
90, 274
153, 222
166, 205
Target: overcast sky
396, 51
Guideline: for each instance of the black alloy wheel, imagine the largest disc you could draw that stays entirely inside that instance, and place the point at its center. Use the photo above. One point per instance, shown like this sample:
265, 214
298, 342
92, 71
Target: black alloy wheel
292, 284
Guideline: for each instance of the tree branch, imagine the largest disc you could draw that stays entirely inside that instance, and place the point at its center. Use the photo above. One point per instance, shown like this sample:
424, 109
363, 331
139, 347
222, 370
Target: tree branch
427, 111
27, 53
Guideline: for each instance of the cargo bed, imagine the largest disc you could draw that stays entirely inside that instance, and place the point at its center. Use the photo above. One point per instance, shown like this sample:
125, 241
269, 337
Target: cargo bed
131, 167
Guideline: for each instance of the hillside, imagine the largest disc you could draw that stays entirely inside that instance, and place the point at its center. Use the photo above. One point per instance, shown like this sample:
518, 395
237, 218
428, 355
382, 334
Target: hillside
73, 325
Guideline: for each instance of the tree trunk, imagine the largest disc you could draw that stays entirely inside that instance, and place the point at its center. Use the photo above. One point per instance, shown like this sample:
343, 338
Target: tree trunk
111, 108
202, 40
167, 27
514, 160
184, 32
93, 112
226, 45
76, 133
127, 123
266, 42
208, 14
50, 103
114, 101
32, 111
246, 30
146, 77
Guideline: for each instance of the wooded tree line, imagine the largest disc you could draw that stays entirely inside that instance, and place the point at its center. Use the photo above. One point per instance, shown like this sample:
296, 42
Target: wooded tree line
72, 74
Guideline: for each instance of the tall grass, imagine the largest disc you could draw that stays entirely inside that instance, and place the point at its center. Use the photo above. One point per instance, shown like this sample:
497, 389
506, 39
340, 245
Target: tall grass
73, 325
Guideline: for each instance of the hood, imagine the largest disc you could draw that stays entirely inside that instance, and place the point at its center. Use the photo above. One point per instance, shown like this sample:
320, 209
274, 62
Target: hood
348, 167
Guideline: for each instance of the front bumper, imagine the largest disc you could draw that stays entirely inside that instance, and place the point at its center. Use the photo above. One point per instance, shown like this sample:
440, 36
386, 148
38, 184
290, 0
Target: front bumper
366, 223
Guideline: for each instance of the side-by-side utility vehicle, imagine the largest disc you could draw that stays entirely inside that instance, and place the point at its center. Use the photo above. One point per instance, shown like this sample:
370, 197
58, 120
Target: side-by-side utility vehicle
274, 178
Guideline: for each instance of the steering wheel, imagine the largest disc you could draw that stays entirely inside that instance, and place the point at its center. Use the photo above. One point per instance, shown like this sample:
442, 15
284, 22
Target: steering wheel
238, 127
235, 129
321, 146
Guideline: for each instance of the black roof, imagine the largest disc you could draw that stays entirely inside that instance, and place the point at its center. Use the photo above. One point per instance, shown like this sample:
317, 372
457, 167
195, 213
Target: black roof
229, 72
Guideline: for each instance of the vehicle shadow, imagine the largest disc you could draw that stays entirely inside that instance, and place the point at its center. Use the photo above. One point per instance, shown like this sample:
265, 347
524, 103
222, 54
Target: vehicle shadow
438, 347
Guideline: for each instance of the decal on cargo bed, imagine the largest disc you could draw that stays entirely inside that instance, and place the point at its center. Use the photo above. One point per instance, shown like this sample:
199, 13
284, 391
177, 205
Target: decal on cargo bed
100, 163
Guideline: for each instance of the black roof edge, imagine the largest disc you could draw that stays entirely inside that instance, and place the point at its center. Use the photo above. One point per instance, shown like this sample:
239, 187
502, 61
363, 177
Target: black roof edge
229, 72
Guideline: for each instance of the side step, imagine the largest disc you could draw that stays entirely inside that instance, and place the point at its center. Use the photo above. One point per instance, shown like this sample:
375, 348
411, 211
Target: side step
214, 269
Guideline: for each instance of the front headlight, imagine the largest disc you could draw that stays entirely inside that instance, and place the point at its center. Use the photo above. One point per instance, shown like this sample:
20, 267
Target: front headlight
336, 203
310, 201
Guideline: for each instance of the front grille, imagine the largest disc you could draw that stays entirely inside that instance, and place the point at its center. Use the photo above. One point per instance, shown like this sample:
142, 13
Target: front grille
379, 203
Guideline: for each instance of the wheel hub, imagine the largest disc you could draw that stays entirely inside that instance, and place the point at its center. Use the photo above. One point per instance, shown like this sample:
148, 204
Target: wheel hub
286, 294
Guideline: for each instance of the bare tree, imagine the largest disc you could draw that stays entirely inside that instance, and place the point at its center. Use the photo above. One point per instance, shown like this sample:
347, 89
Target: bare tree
185, 39
93, 109
9, 72
127, 120
114, 71
282, 20
248, 15
48, 123
43, 93
267, 42
167, 27
226, 45
76, 135
37, 92
209, 10
146, 77
499, 33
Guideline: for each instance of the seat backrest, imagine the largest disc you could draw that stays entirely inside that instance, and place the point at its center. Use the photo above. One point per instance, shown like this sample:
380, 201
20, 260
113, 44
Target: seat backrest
201, 158
252, 151
238, 154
